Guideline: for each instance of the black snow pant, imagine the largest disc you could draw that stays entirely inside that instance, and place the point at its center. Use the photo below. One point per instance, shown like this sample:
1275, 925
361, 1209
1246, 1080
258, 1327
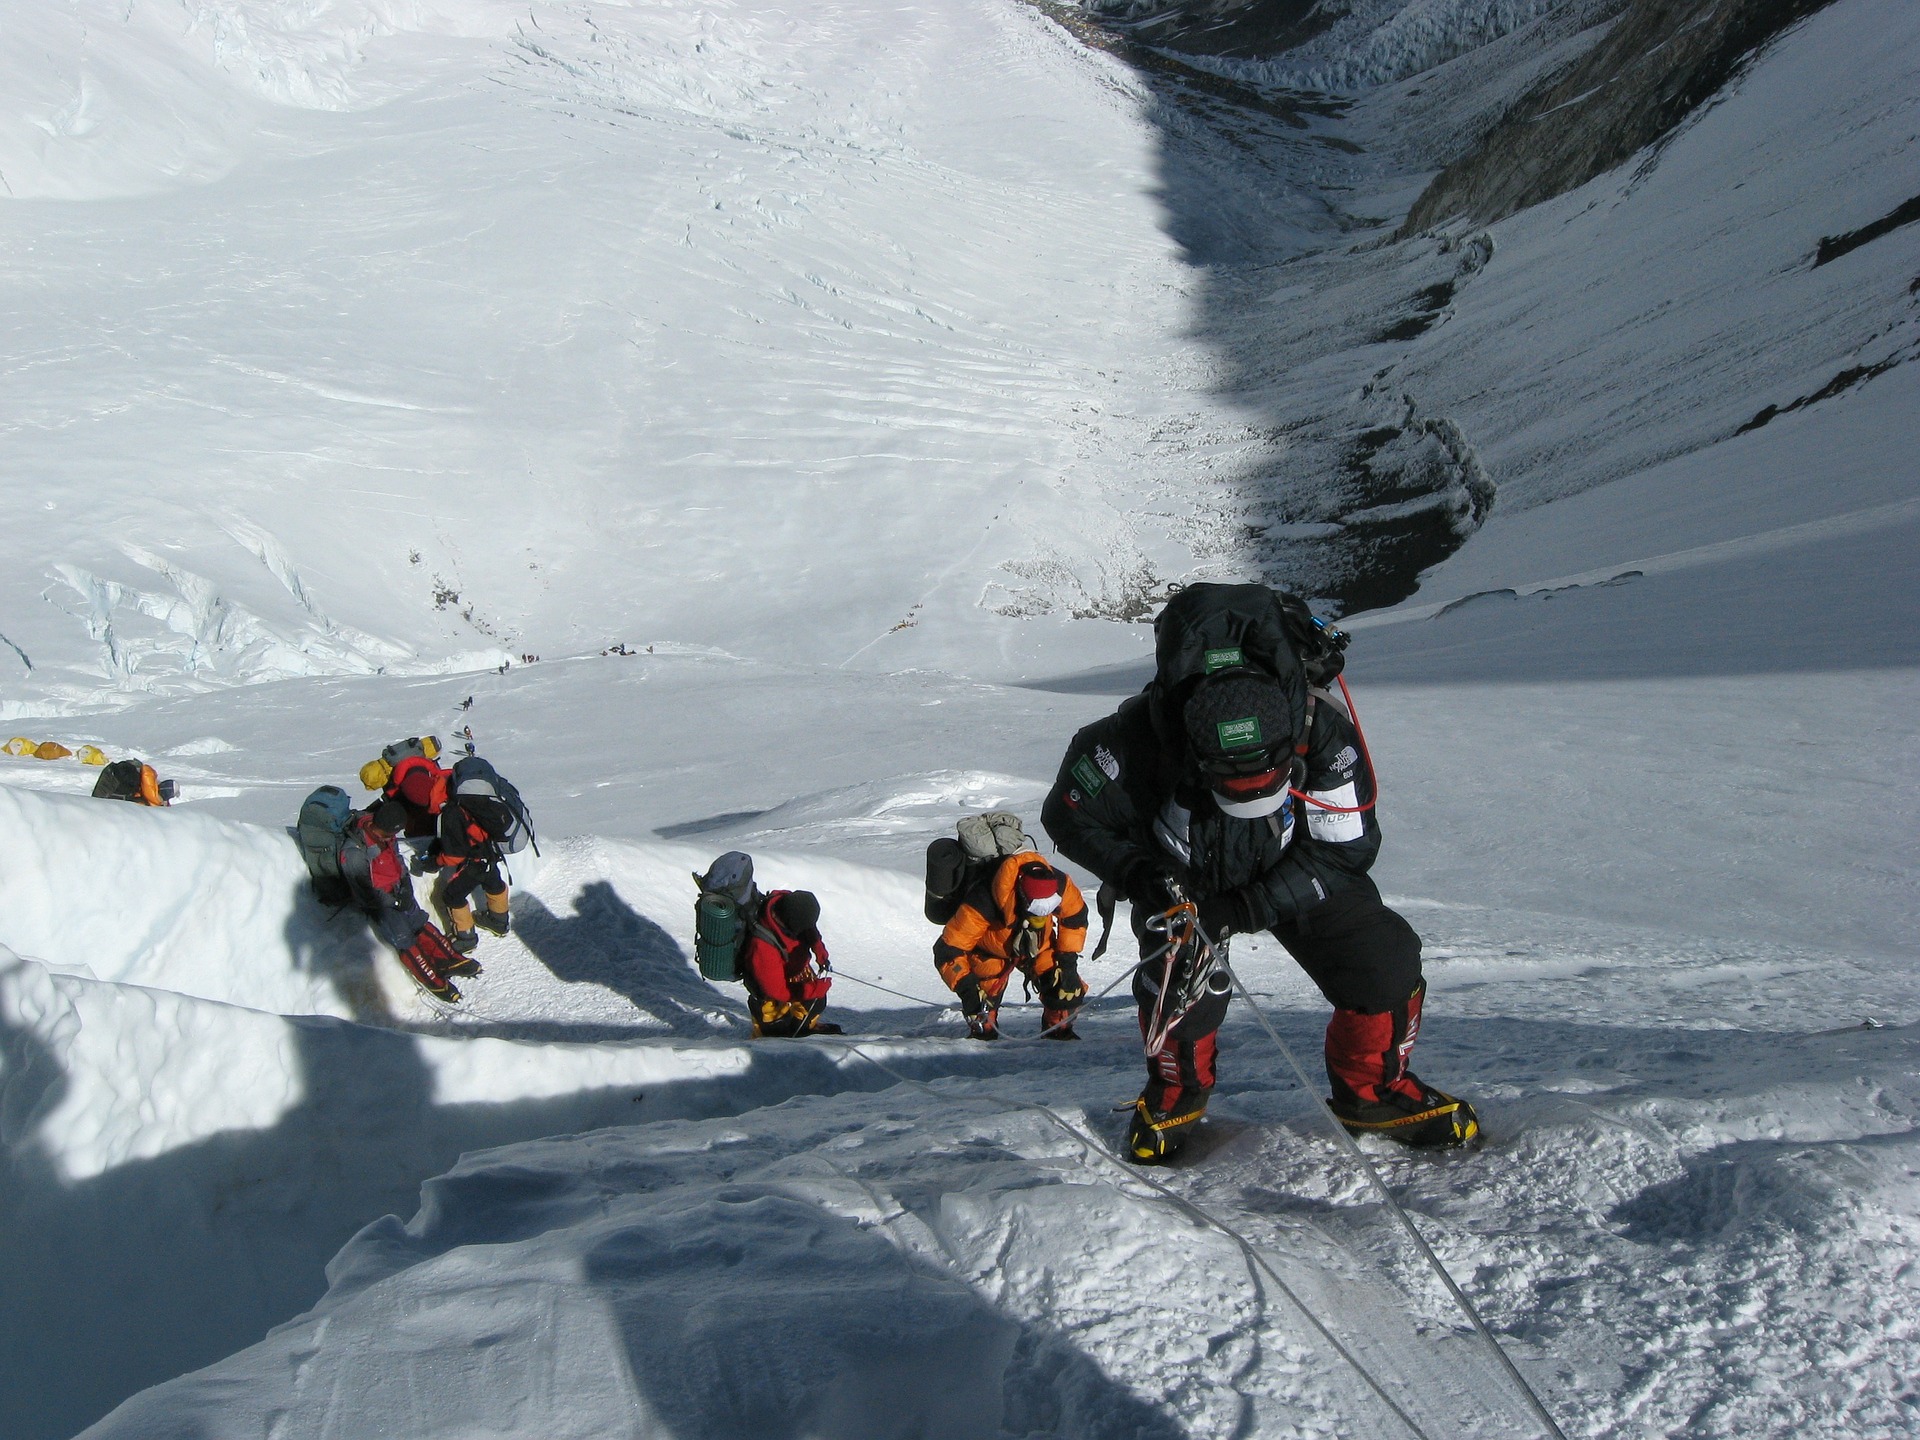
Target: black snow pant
1363, 957
479, 874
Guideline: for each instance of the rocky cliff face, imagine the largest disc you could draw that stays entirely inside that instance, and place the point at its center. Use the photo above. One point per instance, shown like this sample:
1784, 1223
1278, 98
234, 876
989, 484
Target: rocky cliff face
1456, 258
1659, 61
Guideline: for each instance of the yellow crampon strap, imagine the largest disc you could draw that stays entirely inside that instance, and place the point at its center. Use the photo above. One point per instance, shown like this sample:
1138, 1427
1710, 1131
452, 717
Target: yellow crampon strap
1171, 1122
772, 1012
1463, 1129
1154, 1145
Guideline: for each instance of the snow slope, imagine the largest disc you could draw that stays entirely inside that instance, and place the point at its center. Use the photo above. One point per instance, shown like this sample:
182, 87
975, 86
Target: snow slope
645, 323
369, 328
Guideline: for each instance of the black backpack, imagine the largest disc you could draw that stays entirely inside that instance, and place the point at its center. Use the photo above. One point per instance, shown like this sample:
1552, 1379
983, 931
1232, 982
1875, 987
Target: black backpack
1208, 629
119, 781
476, 780
1319, 645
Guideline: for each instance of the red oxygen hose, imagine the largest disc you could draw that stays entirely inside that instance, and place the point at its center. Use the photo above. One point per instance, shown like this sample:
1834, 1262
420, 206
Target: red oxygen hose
1366, 755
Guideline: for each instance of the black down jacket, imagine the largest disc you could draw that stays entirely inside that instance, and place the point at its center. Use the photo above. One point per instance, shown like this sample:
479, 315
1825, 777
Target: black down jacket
1127, 802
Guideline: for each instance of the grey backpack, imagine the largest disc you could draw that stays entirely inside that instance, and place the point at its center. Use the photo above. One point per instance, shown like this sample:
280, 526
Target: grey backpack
956, 862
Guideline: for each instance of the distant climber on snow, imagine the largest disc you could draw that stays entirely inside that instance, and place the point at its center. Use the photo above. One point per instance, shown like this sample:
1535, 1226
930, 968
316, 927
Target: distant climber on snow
133, 780
377, 881
1183, 802
1006, 912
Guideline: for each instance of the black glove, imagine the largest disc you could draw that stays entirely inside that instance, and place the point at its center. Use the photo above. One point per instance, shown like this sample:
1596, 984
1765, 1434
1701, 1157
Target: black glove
1151, 884
421, 862
1225, 914
1064, 982
968, 989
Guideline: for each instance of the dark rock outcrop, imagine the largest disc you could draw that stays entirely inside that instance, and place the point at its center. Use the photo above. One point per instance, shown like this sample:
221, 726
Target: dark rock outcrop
1660, 61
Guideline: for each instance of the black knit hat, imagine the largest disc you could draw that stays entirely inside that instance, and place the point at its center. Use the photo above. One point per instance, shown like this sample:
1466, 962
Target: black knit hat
798, 913
1238, 723
390, 816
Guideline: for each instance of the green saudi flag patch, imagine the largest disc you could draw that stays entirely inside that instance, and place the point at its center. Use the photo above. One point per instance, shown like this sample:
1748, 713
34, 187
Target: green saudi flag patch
1228, 657
1238, 734
1088, 774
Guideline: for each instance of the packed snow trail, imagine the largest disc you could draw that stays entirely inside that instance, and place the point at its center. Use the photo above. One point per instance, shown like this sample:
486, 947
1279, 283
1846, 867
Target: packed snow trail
248, 1153
123, 1118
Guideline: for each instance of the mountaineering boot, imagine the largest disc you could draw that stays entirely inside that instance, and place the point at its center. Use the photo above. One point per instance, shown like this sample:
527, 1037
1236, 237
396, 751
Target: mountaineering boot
783, 1019
1153, 1137
1057, 1024
814, 1024
427, 975
460, 946
1373, 1090
1412, 1112
494, 917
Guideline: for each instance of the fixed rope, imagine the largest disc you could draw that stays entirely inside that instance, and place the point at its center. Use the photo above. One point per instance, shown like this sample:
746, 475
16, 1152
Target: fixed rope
1394, 1208
942, 1005
1188, 1207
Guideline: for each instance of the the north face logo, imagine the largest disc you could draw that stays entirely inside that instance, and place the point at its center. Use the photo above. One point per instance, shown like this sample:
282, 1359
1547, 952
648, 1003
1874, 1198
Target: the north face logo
1238, 734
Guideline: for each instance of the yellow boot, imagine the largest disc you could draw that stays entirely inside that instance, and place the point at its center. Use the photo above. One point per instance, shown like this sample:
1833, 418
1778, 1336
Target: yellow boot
460, 933
495, 917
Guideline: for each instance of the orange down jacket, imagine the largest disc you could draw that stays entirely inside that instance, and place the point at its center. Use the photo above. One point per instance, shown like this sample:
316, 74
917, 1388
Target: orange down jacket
983, 938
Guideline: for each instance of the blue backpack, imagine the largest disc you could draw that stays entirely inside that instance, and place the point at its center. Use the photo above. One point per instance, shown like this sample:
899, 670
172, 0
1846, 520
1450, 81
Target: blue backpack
321, 829
476, 779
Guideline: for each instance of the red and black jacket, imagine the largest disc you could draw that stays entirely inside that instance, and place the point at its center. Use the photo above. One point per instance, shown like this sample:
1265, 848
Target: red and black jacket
779, 966
463, 836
